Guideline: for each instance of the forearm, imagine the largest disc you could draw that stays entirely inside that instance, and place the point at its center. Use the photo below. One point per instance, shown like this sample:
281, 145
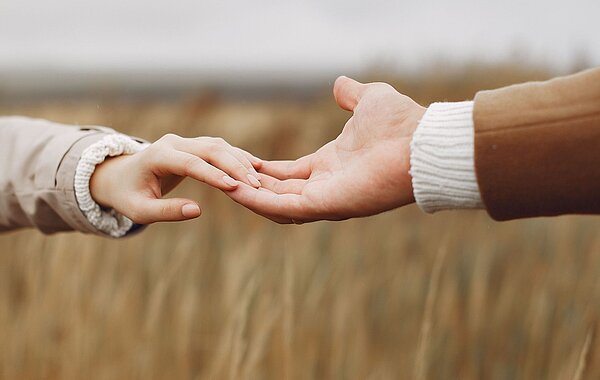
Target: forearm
38, 162
521, 151
537, 147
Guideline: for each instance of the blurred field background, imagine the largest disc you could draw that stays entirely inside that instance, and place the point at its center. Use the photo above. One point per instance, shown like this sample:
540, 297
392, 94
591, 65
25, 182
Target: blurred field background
401, 295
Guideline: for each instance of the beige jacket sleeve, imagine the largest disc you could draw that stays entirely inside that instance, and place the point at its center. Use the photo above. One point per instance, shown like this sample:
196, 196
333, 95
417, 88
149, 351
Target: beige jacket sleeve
37, 166
537, 147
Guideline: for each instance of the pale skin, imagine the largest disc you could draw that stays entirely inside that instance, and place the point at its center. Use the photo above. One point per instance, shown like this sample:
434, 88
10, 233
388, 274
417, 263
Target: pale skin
135, 184
364, 171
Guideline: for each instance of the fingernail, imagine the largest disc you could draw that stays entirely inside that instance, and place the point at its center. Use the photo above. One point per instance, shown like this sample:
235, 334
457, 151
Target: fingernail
229, 181
253, 180
190, 210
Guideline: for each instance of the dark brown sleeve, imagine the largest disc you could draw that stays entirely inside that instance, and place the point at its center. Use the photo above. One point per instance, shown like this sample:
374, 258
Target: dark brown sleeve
537, 147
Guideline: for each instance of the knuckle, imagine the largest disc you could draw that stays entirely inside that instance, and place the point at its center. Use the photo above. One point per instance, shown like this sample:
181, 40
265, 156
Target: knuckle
239, 167
218, 143
148, 153
169, 138
190, 164
214, 147
290, 169
166, 211
381, 86
157, 155
153, 148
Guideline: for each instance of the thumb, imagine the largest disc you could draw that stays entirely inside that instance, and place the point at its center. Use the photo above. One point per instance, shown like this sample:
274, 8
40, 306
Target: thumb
165, 210
347, 92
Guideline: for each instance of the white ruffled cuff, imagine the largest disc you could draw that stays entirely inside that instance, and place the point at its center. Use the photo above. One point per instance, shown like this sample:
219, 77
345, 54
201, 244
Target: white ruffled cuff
109, 221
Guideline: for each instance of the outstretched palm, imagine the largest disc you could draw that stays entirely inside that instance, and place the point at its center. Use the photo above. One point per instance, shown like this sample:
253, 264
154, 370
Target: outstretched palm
364, 171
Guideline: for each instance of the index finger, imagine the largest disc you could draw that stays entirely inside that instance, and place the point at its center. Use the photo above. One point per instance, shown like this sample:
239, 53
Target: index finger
187, 165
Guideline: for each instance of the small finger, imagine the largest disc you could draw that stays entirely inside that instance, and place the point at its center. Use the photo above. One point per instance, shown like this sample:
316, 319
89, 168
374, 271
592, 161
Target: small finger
275, 218
227, 162
224, 145
255, 161
265, 202
244, 158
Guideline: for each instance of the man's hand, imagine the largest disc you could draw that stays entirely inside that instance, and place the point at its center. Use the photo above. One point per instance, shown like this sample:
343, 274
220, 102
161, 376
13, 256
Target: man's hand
364, 171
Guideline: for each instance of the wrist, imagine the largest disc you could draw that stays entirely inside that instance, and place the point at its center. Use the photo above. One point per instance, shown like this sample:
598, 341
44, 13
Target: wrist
95, 162
413, 124
417, 116
101, 182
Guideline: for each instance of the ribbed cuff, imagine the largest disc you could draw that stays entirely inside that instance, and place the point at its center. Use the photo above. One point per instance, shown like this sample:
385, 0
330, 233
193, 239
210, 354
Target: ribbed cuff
442, 162
109, 222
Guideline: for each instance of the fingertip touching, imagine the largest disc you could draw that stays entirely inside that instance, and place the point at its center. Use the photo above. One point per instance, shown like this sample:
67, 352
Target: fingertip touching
230, 182
256, 162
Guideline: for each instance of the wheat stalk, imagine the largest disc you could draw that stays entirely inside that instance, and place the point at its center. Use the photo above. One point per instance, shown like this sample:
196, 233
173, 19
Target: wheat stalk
584, 355
420, 371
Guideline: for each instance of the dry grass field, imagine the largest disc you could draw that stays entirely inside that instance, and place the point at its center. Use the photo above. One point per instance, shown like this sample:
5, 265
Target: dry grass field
402, 295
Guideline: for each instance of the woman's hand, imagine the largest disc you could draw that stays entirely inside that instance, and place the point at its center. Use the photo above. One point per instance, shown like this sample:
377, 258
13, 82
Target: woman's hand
134, 184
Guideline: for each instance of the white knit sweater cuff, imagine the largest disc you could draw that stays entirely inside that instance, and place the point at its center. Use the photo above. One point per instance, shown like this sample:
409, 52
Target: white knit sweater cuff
442, 158
109, 222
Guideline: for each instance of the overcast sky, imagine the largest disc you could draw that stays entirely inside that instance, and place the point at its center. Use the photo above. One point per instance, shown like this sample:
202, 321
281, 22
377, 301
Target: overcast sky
270, 37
